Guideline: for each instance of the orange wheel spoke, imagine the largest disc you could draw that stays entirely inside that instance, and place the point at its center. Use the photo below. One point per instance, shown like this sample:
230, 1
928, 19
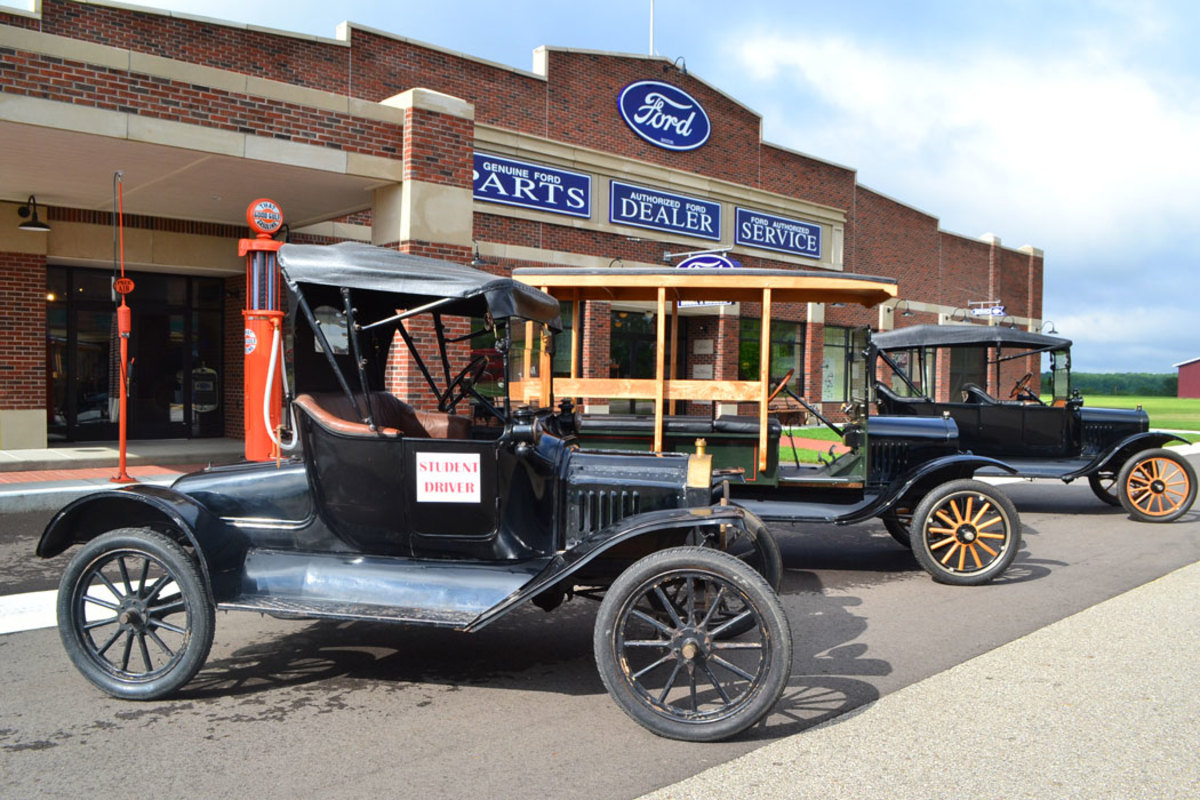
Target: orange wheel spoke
975, 557
962, 558
992, 536
950, 555
989, 523
982, 510
944, 517
943, 531
943, 543
992, 552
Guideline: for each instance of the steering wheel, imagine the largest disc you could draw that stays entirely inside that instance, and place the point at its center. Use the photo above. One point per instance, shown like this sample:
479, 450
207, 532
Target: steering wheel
462, 384
1022, 387
782, 383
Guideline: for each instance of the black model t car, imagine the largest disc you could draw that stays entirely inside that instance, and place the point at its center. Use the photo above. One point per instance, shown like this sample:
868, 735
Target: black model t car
909, 471
1047, 435
390, 512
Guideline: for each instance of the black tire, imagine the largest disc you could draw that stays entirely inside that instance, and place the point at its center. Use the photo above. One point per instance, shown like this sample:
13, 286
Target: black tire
1157, 486
755, 547
670, 666
965, 533
134, 614
898, 522
1104, 486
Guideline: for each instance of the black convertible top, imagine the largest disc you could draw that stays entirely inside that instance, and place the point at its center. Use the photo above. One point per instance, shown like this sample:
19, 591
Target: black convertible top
965, 336
415, 280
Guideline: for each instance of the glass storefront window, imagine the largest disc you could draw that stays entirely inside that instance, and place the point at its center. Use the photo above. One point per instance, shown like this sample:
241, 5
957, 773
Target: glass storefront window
787, 351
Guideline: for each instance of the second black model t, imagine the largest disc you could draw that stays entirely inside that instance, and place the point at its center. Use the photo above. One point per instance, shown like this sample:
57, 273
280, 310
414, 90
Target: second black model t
449, 515
1050, 434
911, 472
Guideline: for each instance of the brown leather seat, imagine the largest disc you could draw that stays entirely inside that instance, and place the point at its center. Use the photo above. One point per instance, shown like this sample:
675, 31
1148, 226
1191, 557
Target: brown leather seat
392, 416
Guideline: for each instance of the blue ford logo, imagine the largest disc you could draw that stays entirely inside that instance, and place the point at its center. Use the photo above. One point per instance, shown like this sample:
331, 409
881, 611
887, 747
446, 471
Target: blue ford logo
664, 115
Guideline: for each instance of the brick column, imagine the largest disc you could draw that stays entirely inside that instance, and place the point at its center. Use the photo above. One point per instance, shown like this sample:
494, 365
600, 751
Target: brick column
23, 385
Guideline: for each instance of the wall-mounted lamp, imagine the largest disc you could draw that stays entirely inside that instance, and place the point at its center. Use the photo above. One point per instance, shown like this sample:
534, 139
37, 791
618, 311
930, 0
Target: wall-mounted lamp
30, 210
907, 312
616, 260
1009, 321
954, 315
478, 260
1048, 324
679, 64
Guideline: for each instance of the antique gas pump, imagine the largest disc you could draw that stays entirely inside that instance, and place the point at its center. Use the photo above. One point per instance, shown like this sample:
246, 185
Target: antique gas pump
263, 367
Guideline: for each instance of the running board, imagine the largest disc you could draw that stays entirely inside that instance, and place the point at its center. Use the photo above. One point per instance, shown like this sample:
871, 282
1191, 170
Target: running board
447, 594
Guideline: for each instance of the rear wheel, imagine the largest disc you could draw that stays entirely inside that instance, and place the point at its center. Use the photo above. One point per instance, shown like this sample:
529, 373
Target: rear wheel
1157, 486
1104, 486
965, 533
134, 614
664, 652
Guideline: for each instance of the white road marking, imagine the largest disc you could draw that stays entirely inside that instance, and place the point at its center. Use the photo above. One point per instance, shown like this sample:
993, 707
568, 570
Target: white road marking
27, 612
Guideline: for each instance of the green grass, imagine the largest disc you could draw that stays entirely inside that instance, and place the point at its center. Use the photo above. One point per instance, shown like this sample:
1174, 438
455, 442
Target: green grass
1169, 413
805, 455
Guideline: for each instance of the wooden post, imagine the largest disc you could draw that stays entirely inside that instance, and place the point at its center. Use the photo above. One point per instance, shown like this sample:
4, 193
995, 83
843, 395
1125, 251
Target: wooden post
764, 376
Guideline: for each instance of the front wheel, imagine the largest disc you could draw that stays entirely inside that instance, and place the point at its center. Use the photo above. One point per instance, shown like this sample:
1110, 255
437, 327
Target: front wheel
965, 533
898, 522
663, 648
134, 614
1157, 486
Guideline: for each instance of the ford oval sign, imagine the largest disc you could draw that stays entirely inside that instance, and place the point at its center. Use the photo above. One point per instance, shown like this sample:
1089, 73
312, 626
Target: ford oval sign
664, 115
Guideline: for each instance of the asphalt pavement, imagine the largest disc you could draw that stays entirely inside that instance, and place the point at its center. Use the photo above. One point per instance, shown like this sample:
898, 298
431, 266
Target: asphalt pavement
1098, 705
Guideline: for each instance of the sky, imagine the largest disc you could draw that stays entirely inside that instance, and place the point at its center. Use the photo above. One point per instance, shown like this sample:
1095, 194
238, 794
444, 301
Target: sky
1069, 125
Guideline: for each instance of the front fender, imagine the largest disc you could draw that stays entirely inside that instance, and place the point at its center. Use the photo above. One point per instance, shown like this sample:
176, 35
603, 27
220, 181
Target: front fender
681, 520
1113, 456
921, 480
219, 548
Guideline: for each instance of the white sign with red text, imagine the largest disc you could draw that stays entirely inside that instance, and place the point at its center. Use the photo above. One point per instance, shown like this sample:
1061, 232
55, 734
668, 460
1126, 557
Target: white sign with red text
448, 478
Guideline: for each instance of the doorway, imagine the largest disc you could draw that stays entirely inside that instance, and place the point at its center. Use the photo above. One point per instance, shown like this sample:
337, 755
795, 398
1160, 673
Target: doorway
175, 350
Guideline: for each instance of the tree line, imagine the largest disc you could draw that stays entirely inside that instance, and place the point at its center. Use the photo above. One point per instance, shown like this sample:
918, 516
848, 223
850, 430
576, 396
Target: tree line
1128, 384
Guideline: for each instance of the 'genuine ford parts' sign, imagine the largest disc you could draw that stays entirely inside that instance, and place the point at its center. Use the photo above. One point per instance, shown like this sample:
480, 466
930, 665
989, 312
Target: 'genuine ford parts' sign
664, 115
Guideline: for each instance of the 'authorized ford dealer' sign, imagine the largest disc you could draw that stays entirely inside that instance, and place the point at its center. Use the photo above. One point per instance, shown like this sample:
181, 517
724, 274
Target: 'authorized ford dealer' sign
664, 115
756, 229
662, 211
518, 183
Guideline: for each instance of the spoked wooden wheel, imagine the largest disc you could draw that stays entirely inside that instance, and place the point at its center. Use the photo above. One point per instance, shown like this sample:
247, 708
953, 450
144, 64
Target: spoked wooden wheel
134, 614
664, 655
1157, 486
1104, 486
965, 532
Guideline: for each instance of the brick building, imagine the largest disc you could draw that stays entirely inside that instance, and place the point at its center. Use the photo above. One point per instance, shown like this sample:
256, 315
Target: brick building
588, 159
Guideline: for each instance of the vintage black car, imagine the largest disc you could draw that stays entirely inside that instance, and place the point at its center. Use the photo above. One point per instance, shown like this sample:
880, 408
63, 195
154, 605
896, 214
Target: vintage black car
1051, 434
388, 512
910, 472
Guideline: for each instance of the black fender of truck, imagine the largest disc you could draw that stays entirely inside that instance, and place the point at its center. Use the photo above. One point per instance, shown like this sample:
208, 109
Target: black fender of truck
219, 548
920, 480
676, 522
1115, 455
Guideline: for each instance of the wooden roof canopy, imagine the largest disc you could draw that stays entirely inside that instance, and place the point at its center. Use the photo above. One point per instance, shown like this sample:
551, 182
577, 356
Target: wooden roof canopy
629, 284
667, 286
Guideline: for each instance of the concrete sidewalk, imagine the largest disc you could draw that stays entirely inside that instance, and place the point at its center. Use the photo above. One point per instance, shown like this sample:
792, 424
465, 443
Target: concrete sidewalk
48, 478
1102, 704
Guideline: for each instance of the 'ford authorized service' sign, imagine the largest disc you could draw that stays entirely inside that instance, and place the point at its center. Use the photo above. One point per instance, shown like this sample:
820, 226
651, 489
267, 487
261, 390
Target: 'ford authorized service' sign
756, 229
664, 115
518, 183
662, 211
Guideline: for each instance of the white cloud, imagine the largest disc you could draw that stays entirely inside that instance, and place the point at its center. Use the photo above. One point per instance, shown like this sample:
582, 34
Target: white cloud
1076, 151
